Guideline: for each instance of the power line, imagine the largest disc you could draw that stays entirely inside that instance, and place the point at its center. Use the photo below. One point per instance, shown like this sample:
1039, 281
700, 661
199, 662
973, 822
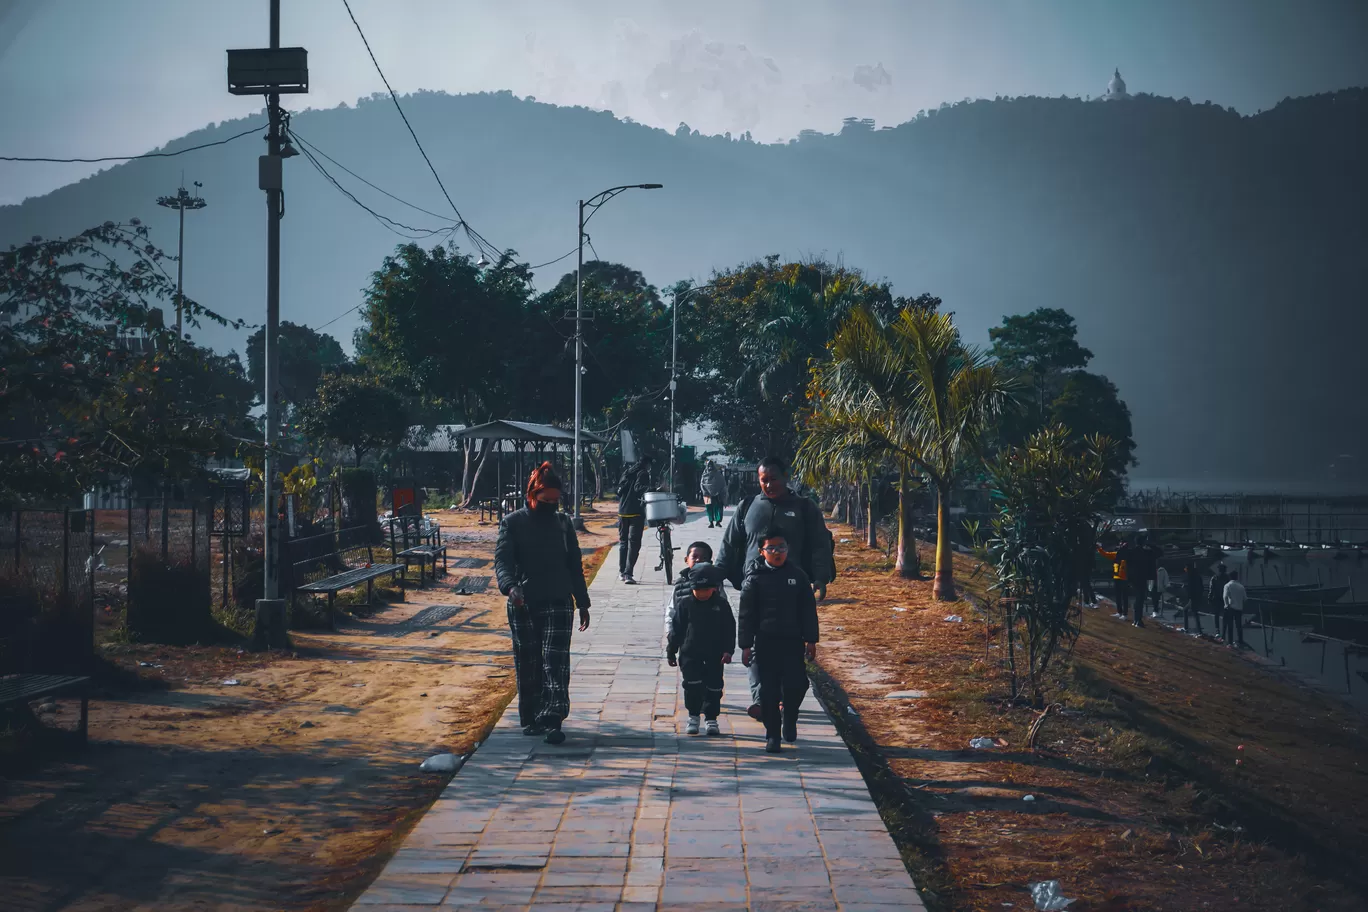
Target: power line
221, 142
397, 227
340, 316
485, 247
317, 151
556, 260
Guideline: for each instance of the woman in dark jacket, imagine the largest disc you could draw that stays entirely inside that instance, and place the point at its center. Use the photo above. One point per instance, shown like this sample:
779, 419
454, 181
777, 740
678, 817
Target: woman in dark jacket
537, 561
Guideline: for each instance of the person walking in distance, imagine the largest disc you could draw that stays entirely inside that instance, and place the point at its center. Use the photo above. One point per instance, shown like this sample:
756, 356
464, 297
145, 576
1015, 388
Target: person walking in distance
714, 488
1150, 554
632, 488
1216, 595
537, 562
1121, 589
1195, 596
702, 639
776, 508
778, 631
1233, 598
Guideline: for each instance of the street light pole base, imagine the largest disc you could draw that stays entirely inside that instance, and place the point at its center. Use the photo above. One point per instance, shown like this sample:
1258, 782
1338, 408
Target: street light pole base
270, 631
579, 524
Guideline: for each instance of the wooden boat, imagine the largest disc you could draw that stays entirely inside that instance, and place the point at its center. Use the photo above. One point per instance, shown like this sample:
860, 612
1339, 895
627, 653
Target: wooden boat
1311, 594
1288, 614
1345, 627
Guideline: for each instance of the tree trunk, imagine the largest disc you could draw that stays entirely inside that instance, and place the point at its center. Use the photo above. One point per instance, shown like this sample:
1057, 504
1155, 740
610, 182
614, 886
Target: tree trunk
909, 567
479, 470
468, 447
944, 588
872, 517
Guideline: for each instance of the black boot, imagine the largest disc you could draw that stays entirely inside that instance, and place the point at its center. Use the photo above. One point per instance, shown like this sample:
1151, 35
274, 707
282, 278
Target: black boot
771, 745
790, 725
554, 735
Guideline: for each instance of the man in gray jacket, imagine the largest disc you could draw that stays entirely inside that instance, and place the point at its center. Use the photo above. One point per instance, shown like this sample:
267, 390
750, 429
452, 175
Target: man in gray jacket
776, 508
537, 561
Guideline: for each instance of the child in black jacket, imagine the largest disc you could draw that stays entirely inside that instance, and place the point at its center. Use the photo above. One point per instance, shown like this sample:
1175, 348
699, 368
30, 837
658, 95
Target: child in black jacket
778, 630
702, 638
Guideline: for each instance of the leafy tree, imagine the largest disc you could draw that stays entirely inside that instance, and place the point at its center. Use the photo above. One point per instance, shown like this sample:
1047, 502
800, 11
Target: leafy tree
1090, 405
92, 384
1042, 344
913, 384
1041, 349
356, 411
435, 322
1050, 494
749, 341
305, 356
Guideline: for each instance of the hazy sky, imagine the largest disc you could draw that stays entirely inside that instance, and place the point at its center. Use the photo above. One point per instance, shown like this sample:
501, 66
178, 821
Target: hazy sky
95, 77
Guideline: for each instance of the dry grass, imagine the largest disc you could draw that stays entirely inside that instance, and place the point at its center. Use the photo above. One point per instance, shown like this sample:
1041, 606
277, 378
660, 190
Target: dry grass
1138, 801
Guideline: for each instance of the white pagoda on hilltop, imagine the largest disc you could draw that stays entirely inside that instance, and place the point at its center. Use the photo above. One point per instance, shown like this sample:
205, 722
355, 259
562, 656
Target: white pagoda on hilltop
1116, 88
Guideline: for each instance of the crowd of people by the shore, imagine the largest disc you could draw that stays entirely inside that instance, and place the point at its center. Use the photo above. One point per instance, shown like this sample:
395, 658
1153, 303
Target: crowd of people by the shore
776, 552
1138, 575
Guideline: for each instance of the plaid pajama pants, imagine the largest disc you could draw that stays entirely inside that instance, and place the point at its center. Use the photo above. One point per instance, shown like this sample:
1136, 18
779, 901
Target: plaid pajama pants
541, 659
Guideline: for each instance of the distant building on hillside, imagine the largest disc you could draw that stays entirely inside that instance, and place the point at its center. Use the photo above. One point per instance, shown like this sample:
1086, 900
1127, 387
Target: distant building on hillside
1116, 88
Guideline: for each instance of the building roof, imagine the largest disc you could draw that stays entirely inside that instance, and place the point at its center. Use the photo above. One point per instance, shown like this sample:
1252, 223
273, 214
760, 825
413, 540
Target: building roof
448, 438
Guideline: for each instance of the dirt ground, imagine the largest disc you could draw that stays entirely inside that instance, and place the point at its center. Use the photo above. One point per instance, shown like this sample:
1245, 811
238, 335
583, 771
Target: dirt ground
1179, 775
286, 790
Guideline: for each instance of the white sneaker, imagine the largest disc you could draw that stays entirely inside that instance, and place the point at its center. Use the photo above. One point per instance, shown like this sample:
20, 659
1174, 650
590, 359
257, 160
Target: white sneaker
691, 728
710, 727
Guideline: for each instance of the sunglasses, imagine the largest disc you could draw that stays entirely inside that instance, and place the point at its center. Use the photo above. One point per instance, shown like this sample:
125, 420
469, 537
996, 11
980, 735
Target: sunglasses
775, 549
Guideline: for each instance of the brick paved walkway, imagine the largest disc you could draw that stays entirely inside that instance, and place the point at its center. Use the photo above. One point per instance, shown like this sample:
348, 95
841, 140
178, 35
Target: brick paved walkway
632, 814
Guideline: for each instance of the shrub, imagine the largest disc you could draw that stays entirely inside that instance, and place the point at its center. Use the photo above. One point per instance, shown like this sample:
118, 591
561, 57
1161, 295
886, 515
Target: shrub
168, 601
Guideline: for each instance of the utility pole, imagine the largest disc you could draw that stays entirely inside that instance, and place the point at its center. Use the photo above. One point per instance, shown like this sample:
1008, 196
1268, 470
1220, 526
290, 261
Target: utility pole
271, 72
593, 205
181, 201
579, 362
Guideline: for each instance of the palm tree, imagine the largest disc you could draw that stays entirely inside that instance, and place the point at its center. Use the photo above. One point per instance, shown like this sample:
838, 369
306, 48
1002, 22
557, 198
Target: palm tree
840, 446
914, 386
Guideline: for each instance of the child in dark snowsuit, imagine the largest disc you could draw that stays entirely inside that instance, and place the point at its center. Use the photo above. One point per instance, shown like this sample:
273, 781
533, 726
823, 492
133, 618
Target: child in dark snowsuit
702, 638
778, 630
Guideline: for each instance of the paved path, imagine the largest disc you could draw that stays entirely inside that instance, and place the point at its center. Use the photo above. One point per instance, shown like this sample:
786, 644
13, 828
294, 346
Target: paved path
632, 814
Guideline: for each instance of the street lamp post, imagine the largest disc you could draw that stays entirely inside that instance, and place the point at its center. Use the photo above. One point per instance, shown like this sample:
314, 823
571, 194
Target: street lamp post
674, 358
182, 201
592, 204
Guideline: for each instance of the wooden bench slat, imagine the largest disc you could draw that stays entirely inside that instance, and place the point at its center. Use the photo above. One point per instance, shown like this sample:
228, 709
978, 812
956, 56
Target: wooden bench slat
349, 578
28, 687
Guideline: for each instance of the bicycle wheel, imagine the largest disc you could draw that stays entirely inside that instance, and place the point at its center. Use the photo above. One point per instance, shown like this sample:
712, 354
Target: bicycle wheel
667, 554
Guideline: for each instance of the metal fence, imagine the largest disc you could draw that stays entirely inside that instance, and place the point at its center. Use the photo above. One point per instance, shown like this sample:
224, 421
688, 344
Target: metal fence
169, 576
47, 590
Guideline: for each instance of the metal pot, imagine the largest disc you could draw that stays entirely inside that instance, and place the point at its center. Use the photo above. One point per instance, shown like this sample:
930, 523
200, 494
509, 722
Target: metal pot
662, 507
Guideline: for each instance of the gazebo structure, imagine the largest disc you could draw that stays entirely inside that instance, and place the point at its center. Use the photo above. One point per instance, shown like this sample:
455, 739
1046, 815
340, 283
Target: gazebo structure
523, 438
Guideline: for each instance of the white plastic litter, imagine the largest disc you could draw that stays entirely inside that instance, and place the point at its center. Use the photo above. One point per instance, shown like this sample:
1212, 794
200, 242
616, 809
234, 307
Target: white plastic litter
982, 743
231, 682
955, 619
844, 540
441, 763
899, 609
1048, 896
1028, 797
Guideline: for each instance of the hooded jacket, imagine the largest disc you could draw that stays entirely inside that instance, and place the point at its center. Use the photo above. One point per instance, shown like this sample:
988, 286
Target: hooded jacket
776, 604
632, 488
703, 630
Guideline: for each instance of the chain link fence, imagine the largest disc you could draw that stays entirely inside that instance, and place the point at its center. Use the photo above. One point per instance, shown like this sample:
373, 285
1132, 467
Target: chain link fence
47, 591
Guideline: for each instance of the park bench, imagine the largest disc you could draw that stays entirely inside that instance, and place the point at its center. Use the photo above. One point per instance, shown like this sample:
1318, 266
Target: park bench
20, 689
326, 550
416, 538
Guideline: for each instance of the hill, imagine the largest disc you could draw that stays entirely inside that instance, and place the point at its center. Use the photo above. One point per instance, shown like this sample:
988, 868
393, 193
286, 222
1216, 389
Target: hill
1217, 264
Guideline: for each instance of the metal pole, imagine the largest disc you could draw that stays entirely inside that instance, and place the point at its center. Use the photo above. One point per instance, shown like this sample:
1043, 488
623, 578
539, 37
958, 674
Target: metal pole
674, 357
272, 355
579, 368
180, 274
